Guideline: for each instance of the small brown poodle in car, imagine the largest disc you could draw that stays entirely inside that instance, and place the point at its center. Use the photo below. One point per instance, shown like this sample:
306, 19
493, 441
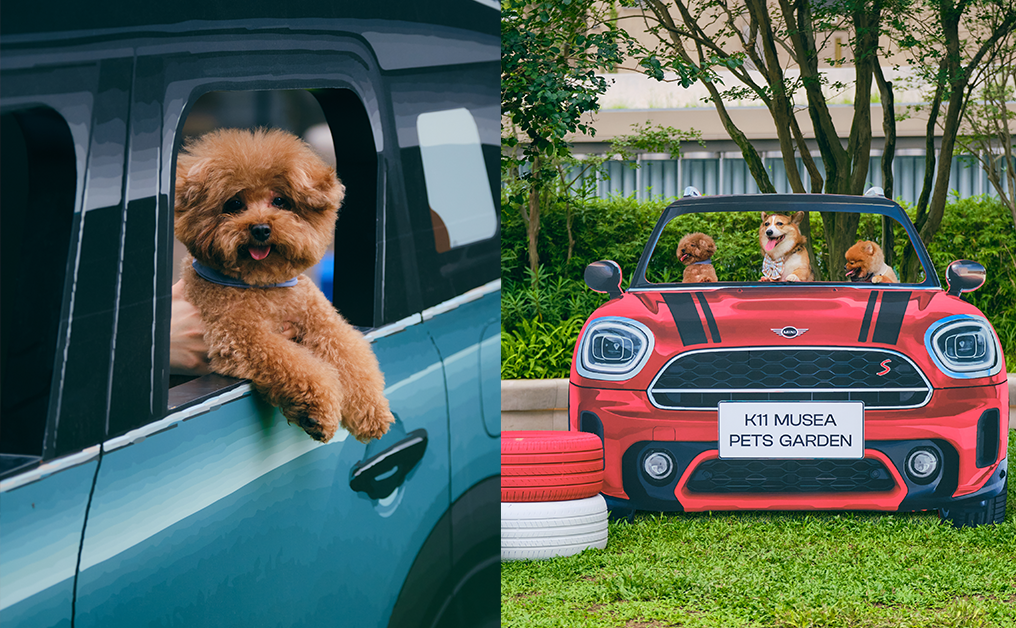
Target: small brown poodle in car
255, 209
694, 251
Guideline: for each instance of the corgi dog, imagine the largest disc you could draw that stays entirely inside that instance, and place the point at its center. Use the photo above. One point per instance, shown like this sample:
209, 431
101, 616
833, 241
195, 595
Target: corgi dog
784, 257
866, 263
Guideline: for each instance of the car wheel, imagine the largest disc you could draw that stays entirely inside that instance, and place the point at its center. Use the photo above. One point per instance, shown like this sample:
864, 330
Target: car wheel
537, 530
974, 513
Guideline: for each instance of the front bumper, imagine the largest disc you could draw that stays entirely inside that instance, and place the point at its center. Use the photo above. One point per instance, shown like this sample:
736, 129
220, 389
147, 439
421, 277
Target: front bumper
959, 423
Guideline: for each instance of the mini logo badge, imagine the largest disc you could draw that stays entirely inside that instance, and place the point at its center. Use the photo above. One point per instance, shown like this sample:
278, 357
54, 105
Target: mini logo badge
885, 365
789, 332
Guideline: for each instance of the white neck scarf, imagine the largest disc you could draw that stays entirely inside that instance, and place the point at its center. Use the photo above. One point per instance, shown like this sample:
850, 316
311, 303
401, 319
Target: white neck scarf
771, 268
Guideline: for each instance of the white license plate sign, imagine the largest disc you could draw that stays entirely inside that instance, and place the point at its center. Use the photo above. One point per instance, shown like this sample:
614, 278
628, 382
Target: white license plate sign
799, 429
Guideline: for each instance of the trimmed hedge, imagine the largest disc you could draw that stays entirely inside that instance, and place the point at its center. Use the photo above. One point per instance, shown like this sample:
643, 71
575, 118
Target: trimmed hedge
542, 314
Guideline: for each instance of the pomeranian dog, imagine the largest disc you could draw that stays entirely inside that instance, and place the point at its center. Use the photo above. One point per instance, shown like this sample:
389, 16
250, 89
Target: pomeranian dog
255, 209
694, 251
784, 257
866, 263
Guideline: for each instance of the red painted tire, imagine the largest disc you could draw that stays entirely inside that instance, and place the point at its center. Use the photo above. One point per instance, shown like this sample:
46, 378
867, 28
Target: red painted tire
536, 441
550, 466
552, 457
550, 481
551, 493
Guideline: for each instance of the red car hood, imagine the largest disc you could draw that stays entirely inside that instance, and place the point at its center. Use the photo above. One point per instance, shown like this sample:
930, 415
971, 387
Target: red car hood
834, 316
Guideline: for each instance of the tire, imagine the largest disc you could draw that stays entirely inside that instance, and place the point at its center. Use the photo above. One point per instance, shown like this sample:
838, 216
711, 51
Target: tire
534, 531
975, 513
538, 441
551, 468
550, 493
550, 480
551, 457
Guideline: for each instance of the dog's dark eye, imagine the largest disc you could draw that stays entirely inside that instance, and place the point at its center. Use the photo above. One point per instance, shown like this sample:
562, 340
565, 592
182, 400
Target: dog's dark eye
281, 202
232, 206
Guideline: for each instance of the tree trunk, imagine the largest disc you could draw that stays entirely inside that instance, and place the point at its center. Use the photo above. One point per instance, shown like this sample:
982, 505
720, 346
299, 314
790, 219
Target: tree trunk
885, 88
751, 156
533, 219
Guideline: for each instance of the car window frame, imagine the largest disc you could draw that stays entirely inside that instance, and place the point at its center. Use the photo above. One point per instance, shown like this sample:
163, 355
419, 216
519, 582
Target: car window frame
785, 203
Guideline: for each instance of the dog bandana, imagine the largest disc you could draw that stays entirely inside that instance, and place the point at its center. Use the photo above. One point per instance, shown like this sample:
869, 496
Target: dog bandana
214, 276
771, 268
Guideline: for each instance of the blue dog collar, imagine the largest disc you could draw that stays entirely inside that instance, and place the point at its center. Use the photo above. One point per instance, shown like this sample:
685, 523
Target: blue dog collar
708, 261
214, 276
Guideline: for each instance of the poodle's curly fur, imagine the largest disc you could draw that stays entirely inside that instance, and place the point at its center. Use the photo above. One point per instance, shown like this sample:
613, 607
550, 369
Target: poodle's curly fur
694, 248
260, 206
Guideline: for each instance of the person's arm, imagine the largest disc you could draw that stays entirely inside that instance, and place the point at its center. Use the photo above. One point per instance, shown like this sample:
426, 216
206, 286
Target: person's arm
188, 352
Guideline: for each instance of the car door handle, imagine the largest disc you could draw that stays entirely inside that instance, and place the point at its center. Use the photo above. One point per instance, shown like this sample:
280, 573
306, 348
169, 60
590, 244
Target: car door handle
380, 475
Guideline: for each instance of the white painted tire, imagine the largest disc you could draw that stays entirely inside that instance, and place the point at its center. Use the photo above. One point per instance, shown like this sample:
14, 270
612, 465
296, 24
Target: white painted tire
537, 530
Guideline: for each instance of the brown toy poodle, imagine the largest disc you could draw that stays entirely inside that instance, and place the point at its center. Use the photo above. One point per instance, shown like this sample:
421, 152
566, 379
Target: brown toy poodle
694, 251
255, 209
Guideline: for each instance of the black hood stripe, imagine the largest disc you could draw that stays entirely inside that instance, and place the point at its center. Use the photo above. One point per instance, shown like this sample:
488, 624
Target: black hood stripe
714, 331
866, 322
890, 317
686, 317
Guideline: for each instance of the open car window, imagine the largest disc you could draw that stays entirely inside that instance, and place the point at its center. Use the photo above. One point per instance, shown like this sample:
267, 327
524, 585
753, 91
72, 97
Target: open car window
709, 241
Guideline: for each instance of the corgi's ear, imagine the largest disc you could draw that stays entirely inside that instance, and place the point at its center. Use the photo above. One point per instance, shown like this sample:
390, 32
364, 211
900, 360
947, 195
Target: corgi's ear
763, 216
798, 218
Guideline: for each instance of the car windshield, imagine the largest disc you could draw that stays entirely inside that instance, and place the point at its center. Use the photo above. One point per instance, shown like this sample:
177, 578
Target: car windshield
744, 242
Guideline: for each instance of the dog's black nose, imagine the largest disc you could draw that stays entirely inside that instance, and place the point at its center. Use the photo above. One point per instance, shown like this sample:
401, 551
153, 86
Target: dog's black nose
261, 232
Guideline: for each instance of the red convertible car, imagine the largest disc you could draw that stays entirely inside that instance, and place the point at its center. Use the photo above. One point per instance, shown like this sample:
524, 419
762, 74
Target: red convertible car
743, 394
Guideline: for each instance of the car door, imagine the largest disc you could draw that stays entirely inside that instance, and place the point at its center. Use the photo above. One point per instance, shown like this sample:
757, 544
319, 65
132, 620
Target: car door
221, 513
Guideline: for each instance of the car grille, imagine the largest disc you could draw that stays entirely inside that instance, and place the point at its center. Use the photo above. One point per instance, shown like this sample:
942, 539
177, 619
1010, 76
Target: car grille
701, 379
791, 476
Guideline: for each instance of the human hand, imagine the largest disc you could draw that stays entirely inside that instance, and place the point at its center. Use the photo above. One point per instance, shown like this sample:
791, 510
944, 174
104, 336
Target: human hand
188, 352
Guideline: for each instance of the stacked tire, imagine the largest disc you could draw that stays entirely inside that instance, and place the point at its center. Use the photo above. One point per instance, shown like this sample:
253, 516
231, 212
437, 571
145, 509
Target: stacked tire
550, 494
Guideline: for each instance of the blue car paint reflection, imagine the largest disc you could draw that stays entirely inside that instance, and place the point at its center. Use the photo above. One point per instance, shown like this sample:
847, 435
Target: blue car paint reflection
41, 527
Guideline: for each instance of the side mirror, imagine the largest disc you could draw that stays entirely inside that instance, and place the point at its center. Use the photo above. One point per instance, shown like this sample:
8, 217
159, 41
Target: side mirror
963, 276
604, 276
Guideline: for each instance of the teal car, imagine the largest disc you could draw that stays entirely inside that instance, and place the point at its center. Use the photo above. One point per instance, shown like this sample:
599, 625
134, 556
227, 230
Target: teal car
132, 498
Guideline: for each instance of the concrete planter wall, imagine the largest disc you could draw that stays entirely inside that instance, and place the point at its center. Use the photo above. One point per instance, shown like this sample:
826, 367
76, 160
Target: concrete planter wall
542, 404
534, 404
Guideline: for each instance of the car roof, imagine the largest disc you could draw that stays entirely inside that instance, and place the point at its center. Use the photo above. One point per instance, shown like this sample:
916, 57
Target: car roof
782, 203
108, 17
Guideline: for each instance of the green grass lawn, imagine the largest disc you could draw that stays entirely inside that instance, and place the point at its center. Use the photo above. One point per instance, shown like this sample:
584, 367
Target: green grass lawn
838, 569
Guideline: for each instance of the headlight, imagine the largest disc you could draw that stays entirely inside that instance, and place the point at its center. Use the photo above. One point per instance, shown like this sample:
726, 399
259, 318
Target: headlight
964, 347
614, 349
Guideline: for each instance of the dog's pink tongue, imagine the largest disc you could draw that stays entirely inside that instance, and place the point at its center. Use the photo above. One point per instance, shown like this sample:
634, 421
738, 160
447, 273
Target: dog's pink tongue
260, 252
771, 244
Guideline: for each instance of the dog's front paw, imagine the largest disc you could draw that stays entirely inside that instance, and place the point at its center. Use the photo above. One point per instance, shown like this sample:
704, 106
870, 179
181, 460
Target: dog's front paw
319, 417
877, 279
367, 419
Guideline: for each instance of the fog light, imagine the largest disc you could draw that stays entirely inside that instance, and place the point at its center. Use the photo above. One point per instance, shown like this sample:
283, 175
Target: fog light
922, 465
658, 465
